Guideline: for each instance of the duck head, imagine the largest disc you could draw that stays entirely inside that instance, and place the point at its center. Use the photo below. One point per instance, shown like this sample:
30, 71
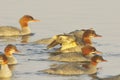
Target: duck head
26, 19
86, 50
97, 59
10, 49
88, 34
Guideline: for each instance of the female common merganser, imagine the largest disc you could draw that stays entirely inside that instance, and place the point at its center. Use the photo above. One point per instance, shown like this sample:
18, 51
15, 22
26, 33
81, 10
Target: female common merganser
4, 69
70, 43
85, 55
9, 50
13, 31
87, 35
76, 68
77, 33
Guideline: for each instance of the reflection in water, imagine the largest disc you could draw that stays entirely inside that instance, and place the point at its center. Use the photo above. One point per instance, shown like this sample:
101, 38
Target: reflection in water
95, 77
112, 78
25, 39
12, 67
22, 39
5, 79
9, 39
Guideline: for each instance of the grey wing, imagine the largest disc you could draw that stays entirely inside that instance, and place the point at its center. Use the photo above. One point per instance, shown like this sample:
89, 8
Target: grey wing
44, 41
9, 31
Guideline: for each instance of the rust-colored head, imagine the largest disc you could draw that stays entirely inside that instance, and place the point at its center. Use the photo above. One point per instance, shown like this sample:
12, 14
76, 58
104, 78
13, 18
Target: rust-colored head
89, 49
88, 34
3, 59
25, 19
10, 49
97, 59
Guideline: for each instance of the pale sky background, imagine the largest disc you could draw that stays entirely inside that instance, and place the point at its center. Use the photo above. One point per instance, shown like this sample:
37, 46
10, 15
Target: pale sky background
60, 16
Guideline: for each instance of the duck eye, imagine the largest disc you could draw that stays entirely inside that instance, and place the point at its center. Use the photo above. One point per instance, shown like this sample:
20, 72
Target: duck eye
60, 38
94, 49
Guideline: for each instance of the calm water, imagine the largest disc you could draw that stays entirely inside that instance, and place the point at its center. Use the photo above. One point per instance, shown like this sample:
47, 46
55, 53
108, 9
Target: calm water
60, 17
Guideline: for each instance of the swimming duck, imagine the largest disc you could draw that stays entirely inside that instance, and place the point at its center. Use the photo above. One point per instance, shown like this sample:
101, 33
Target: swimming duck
66, 41
87, 36
85, 55
76, 68
4, 69
9, 50
13, 31
77, 33
70, 43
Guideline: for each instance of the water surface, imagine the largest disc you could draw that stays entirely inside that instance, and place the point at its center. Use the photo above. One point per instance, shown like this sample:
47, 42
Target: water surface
57, 17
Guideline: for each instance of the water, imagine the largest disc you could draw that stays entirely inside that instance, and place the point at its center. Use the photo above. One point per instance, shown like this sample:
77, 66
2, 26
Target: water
61, 17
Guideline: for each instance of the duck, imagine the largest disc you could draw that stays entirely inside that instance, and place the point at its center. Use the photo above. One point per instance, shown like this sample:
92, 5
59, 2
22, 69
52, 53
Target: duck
70, 43
5, 72
67, 44
13, 31
8, 52
76, 68
86, 54
64, 40
87, 37
77, 33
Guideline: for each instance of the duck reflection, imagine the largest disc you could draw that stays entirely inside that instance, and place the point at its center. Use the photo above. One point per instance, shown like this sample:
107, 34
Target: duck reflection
95, 77
21, 39
5, 79
25, 38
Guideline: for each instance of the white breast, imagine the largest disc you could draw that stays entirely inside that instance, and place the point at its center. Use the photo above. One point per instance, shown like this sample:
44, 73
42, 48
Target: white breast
5, 71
